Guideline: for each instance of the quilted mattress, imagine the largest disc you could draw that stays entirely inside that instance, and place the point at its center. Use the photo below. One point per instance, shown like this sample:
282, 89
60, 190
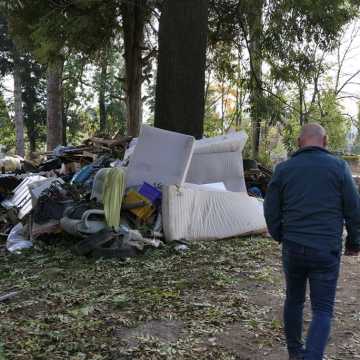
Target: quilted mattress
191, 213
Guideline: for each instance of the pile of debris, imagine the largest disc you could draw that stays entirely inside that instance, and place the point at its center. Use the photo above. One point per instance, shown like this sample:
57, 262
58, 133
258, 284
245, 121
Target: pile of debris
257, 178
166, 187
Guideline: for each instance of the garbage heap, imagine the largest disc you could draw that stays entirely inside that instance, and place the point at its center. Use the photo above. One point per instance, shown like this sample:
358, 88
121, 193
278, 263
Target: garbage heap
117, 198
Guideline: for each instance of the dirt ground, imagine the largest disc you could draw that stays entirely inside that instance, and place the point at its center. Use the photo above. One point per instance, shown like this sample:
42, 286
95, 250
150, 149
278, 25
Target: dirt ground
220, 300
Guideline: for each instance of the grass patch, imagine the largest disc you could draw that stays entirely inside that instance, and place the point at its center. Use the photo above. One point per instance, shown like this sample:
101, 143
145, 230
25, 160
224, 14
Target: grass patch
71, 307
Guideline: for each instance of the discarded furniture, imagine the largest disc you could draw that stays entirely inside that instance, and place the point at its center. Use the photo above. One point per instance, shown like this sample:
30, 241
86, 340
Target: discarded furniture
21, 201
159, 157
193, 213
219, 159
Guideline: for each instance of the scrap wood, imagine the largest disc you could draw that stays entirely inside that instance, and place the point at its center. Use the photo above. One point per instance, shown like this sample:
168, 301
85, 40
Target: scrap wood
76, 150
89, 154
252, 172
112, 142
90, 148
119, 135
75, 158
8, 296
265, 170
102, 147
30, 166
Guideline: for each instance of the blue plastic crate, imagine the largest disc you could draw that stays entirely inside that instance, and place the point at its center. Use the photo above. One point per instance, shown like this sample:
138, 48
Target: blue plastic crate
151, 193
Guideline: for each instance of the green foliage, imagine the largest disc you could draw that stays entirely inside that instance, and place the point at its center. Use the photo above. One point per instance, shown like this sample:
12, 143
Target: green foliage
116, 118
295, 29
356, 145
75, 96
291, 133
81, 86
332, 119
7, 127
288, 40
114, 89
33, 85
34, 101
52, 28
84, 32
212, 124
226, 90
328, 113
2, 352
81, 124
6, 48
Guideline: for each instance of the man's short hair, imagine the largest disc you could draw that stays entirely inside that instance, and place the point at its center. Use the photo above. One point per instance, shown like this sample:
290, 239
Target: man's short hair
312, 131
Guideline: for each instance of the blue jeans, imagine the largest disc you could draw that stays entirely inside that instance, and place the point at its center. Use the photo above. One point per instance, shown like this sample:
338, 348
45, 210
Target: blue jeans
321, 268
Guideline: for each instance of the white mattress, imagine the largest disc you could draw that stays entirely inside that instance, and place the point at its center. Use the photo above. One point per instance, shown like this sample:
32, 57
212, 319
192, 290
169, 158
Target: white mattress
160, 157
229, 142
219, 159
192, 213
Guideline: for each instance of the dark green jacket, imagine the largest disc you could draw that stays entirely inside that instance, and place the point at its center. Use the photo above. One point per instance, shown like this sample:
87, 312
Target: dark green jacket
309, 198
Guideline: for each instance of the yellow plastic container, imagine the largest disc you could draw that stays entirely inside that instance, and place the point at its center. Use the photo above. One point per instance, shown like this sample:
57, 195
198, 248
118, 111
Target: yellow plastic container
143, 213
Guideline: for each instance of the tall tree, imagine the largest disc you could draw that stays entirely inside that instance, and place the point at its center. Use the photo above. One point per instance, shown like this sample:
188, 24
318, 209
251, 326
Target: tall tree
34, 98
180, 86
32, 25
283, 35
55, 134
53, 30
18, 104
255, 25
134, 17
7, 129
11, 62
102, 93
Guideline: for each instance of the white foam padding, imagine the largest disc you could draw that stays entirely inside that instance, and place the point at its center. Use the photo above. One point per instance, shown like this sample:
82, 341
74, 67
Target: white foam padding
190, 213
160, 157
219, 159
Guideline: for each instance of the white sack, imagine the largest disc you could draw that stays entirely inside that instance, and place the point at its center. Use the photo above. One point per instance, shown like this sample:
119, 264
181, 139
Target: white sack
11, 163
16, 240
193, 214
159, 156
219, 159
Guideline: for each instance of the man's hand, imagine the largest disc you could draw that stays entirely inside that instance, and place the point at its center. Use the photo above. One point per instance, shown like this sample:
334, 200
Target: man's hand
349, 252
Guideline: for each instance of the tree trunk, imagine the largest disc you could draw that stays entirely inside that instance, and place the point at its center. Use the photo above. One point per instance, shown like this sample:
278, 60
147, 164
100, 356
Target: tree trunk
181, 70
102, 106
133, 14
256, 93
222, 107
32, 144
18, 105
239, 92
54, 104
64, 119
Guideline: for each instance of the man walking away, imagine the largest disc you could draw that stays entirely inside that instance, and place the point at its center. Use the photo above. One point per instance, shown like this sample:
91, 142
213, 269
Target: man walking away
308, 199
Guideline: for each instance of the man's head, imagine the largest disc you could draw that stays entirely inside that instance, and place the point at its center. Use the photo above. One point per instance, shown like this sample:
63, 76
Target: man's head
312, 135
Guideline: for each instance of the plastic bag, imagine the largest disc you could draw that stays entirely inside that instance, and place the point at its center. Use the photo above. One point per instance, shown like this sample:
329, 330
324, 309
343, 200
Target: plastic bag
16, 240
